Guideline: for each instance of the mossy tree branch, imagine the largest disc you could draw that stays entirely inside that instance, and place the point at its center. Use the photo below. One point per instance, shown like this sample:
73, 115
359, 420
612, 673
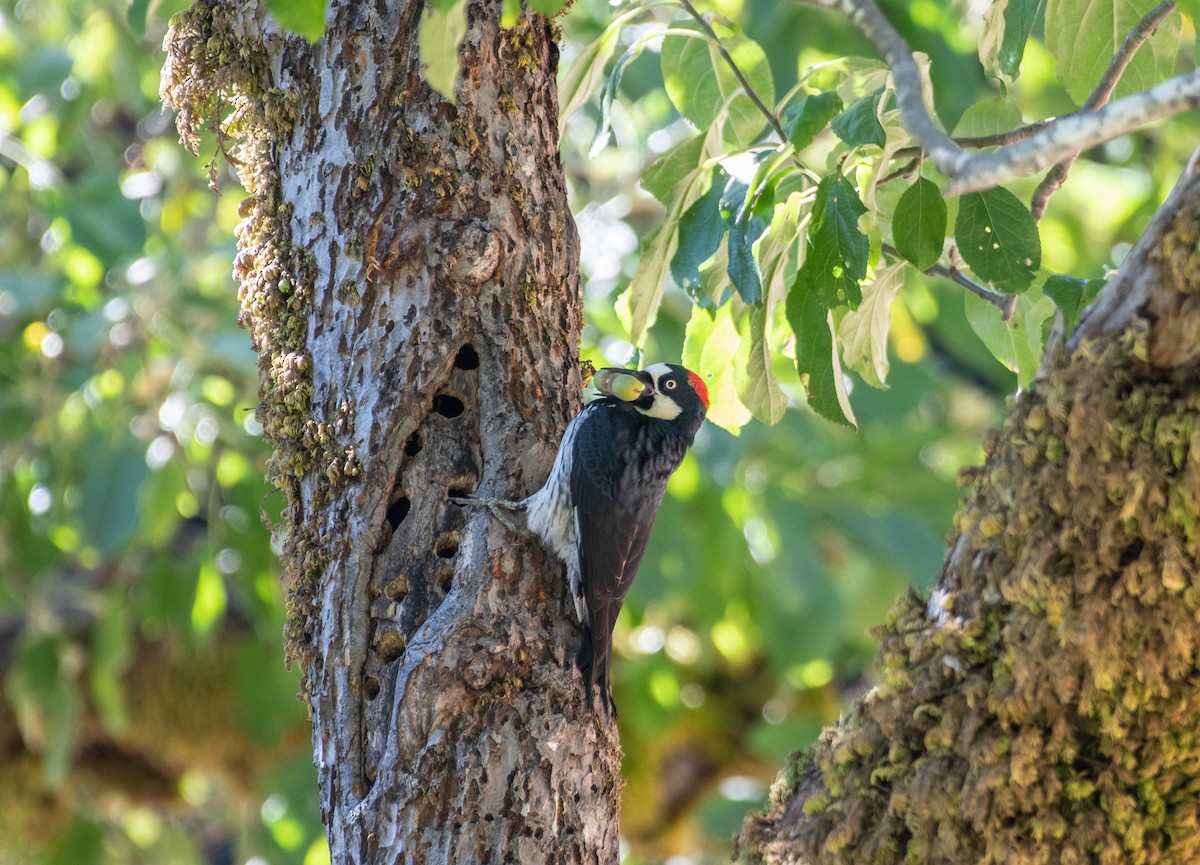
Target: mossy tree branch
1041, 706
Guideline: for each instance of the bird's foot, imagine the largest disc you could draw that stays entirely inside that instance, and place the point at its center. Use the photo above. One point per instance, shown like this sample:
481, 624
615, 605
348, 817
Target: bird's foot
499, 507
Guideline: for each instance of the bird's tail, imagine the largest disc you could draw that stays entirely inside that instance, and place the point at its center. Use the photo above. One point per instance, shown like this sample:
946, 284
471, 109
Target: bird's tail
594, 661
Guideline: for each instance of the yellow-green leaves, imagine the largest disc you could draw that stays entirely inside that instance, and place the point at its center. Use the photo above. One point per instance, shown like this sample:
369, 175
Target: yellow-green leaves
443, 25
1084, 35
816, 353
306, 17
1007, 25
701, 85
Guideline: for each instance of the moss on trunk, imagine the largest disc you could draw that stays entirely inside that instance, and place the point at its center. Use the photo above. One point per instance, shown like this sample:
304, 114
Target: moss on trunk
1043, 705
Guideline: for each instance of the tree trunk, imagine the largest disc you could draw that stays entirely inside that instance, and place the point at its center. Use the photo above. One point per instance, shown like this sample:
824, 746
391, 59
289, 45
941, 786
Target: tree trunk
409, 278
1042, 705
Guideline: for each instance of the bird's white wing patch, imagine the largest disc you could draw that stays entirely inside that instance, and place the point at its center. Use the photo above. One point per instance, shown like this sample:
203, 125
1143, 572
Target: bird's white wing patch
577, 592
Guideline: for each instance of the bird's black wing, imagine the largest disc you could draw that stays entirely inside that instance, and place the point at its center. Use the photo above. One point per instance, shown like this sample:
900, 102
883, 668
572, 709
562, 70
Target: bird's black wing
612, 535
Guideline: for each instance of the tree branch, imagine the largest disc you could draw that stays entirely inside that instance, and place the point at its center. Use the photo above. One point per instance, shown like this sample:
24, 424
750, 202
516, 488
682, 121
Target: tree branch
1054, 143
1006, 303
1137, 37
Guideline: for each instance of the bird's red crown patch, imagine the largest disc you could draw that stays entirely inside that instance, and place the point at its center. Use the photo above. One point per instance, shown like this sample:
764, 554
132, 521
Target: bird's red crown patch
699, 387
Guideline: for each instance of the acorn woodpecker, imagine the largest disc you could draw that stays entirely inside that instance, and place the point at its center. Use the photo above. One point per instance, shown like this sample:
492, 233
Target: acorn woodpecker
597, 508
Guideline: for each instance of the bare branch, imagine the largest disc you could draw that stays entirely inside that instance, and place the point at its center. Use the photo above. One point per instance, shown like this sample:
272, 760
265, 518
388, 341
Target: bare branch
1004, 302
1053, 143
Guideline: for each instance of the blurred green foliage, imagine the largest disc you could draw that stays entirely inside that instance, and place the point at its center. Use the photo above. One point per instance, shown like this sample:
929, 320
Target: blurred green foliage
146, 714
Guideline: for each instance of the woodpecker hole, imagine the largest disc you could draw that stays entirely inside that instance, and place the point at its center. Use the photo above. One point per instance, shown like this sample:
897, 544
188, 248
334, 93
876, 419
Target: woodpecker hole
397, 511
412, 447
538, 833
391, 645
445, 579
397, 587
448, 406
389, 327
467, 358
371, 687
371, 774
446, 546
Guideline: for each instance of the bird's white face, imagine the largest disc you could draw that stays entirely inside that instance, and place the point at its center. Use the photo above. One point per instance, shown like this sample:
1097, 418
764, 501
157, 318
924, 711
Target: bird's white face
664, 406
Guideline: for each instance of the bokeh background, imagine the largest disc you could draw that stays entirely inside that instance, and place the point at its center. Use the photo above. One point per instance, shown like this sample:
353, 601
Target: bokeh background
146, 715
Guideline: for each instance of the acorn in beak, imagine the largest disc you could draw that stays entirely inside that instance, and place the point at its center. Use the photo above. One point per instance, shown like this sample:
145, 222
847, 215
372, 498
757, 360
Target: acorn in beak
626, 385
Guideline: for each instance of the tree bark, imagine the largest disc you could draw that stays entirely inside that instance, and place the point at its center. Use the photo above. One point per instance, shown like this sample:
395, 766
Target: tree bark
1042, 705
410, 280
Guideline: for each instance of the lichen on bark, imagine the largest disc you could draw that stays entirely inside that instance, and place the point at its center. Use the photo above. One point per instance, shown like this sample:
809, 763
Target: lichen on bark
217, 78
1042, 705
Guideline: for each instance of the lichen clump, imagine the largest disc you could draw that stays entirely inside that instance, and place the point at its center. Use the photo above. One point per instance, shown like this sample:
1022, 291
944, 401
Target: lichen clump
1048, 710
217, 78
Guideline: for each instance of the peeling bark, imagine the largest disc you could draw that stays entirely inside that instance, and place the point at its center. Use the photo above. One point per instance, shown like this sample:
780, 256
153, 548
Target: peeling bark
1041, 705
410, 280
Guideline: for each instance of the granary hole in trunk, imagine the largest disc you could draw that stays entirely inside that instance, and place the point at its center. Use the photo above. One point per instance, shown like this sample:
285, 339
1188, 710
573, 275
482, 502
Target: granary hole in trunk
412, 447
397, 511
467, 358
390, 645
447, 405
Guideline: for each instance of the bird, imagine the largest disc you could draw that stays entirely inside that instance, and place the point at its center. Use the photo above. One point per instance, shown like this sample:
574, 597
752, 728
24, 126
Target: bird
597, 507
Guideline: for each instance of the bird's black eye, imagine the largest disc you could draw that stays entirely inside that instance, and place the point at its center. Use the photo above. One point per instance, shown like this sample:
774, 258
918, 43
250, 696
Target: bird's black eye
669, 384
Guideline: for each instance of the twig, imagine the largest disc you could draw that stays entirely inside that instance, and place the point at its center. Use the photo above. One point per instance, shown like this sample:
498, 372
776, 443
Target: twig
732, 64
1145, 28
1006, 303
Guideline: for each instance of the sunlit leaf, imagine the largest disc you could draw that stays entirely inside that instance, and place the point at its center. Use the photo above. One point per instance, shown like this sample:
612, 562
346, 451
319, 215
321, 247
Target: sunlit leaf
864, 331
586, 72
701, 84
998, 238
549, 8
1016, 343
757, 388
988, 117
709, 345
441, 30
1007, 25
306, 17
1085, 35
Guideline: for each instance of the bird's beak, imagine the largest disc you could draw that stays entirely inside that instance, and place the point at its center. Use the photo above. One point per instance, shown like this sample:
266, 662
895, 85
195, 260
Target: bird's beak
626, 385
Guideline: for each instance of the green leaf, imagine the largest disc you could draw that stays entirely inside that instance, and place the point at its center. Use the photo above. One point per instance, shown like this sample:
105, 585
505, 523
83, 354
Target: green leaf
1016, 343
662, 178
919, 224
1084, 35
112, 653
1190, 8
549, 8
136, 16
753, 375
806, 119
998, 238
439, 34
1072, 295
638, 304
586, 72
816, 355
709, 345
837, 251
46, 704
864, 331
699, 83
102, 219
1007, 25
700, 230
306, 17
108, 508
609, 92
859, 123
745, 227
988, 117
